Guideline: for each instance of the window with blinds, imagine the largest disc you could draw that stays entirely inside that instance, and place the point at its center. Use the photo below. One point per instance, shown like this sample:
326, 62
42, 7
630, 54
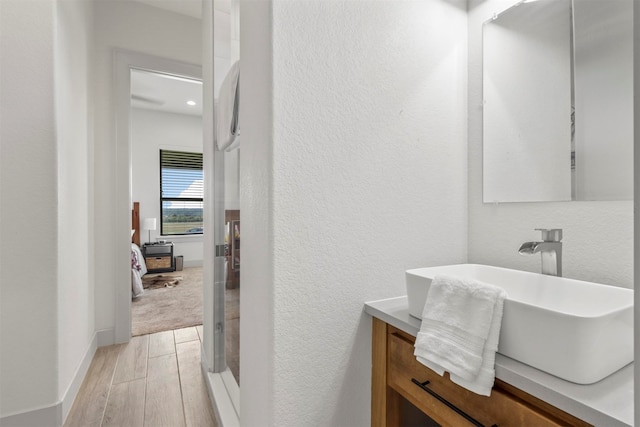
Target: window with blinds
181, 192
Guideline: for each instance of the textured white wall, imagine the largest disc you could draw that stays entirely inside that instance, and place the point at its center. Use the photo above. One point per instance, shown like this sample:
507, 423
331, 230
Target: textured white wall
29, 214
140, 28
362, 176
76, 307
152, 131
598, 236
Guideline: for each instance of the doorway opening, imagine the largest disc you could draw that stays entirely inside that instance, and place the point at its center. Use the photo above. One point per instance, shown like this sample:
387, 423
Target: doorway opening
213, 328
167, 186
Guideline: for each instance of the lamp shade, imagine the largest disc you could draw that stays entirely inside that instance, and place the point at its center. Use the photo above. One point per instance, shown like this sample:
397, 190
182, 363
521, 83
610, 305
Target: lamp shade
149, 224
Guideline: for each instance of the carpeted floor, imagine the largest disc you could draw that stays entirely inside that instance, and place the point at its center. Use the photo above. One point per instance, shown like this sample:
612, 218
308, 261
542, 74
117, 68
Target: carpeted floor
166, 308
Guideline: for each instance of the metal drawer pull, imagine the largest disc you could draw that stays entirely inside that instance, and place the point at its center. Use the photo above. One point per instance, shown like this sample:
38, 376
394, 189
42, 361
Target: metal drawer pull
449, 404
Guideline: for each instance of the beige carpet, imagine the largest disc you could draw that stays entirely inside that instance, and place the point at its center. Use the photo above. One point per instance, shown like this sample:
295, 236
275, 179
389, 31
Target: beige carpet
162, 280
172, 307
177, 305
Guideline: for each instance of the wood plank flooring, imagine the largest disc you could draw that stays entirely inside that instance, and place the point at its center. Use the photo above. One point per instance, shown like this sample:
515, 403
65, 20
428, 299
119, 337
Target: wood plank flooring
154, 380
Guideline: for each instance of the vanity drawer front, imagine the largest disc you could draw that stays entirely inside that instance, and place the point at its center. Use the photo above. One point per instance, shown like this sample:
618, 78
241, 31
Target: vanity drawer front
501, 408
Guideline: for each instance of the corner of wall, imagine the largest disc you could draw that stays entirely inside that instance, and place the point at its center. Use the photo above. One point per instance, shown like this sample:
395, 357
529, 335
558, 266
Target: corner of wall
256, 361
636, 155
28, 355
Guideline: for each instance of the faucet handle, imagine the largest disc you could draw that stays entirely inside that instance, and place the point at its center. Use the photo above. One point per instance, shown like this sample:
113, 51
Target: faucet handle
551, 234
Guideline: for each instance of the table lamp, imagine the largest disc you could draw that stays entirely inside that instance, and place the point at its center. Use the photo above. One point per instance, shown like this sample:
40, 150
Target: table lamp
149, 224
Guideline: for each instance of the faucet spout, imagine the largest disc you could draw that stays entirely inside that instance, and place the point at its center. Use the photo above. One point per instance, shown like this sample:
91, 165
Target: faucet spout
528, 248
550, 250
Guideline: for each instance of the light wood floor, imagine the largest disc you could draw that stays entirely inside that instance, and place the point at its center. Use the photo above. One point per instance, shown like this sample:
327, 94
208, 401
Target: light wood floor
154, 380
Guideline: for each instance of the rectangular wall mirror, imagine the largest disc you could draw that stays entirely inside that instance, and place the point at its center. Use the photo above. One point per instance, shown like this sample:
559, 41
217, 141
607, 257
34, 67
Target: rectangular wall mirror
558, 102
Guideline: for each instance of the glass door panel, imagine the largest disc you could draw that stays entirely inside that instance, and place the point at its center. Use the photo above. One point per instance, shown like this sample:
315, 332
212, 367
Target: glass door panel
222, 174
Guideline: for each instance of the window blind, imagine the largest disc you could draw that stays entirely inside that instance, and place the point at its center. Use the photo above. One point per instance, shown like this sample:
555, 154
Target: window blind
181, 192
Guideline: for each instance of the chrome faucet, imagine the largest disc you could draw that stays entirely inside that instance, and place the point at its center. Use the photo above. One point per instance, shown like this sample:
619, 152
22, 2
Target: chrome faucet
550, 249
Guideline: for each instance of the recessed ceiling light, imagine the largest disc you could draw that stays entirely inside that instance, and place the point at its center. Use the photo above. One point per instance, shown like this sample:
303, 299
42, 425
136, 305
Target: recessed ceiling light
192, 103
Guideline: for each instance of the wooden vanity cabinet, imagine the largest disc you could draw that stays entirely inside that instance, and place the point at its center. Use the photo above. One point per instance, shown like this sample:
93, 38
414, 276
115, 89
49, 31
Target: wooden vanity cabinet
397, 375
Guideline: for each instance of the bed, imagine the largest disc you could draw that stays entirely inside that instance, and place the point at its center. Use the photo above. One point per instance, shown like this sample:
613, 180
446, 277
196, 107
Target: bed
138, 266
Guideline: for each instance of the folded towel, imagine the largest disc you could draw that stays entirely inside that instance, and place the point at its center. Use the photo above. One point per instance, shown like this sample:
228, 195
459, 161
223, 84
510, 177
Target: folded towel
460, 330
227, 130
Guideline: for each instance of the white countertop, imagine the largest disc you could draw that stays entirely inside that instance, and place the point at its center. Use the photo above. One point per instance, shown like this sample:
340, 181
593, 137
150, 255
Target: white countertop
606, 403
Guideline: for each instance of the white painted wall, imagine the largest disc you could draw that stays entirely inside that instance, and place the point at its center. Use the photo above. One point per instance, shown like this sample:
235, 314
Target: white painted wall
140, 28
354, 170
152, 131
29, 212
256, 202
47, 263
76, 306
598, 236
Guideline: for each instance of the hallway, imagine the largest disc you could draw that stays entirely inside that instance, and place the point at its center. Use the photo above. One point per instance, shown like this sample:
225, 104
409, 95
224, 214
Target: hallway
154, 380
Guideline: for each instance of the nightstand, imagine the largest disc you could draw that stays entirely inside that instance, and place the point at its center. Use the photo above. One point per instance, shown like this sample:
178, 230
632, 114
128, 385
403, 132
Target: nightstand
158, 257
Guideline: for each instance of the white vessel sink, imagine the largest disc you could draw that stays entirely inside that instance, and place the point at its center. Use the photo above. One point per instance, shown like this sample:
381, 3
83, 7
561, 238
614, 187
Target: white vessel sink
579, 331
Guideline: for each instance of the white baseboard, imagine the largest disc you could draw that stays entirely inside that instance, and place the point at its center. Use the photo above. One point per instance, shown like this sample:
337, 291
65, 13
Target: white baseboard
47, 416
226, 412
106, 337
56, 414
72, 392
233, 390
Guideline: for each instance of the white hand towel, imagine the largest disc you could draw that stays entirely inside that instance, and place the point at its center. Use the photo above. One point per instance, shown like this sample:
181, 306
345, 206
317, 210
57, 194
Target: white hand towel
460, 329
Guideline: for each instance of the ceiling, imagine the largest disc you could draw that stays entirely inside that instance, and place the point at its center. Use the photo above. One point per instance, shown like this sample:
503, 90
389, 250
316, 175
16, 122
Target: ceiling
164, 92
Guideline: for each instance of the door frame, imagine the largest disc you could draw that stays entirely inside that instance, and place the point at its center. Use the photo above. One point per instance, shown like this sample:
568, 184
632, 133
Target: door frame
124, 61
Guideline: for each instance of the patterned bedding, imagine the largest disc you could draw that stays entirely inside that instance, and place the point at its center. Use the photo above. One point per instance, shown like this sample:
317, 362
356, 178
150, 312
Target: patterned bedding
138, 269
